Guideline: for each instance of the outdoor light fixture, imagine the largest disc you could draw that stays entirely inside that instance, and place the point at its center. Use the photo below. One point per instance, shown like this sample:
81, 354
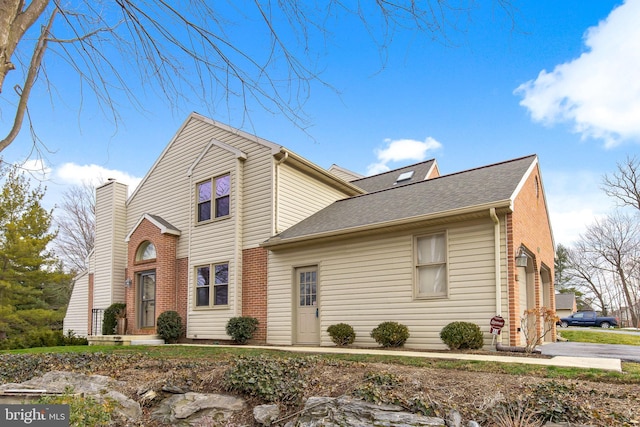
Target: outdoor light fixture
521, 258
127, 282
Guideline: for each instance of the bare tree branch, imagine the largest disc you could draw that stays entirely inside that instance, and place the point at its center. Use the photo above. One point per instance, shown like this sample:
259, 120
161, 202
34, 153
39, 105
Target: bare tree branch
624, 185
121, 49
25, 91
613, 245
76, 226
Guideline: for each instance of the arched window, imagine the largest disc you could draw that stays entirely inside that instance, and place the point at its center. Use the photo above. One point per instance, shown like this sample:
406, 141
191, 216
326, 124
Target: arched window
146, 251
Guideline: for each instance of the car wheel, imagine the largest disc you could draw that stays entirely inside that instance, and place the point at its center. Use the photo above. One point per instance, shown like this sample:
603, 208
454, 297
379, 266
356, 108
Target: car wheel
605, 325
564, 324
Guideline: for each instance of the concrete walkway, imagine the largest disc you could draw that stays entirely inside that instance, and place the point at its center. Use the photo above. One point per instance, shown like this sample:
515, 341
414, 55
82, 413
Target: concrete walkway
561, 361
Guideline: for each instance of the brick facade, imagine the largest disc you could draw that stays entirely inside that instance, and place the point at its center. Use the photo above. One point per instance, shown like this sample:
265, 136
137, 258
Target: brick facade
170, 275
254, 288
529, 226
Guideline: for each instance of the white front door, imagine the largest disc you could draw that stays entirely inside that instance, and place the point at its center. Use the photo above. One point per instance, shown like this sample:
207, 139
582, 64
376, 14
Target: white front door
308, 319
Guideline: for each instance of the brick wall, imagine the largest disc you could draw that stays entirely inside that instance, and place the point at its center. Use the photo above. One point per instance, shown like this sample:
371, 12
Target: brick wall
165, 267
529, 225
254, 288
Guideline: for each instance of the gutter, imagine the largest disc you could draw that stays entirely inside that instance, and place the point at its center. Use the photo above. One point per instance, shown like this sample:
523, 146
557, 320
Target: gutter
324, 175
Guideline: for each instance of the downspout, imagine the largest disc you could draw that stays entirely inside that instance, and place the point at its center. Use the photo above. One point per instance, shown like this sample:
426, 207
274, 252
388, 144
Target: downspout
496, 239
190, 295
276, 208
239, 223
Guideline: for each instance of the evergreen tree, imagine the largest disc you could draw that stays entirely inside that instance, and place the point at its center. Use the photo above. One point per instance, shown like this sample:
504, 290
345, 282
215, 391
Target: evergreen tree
561, 263
31, 281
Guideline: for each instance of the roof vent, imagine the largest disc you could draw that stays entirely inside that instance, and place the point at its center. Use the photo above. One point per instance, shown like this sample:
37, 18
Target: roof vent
405, 176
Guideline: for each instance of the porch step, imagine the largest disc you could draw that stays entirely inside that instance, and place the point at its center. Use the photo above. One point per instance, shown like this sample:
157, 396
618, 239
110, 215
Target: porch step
125, 340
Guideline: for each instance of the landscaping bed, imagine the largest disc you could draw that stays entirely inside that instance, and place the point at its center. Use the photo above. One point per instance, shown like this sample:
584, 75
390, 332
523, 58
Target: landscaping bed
478, 391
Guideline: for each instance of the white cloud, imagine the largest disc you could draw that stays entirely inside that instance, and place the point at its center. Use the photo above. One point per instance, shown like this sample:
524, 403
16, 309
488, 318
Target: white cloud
575, 201
399, 150
37, 169
598, 92
73, 174
58, 179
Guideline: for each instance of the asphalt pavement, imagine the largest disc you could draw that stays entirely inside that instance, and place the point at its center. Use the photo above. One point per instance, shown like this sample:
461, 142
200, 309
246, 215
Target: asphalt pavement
627, 353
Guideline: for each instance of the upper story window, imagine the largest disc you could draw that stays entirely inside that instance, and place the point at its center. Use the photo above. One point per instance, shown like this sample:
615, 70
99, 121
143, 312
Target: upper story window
213, 198
431, 266
146, 251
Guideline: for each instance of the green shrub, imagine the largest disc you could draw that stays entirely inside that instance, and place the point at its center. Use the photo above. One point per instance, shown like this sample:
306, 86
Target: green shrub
41, 338
270, 379
170, 326
462, 335
110, 319
390, 334
341, 334
241, 329
72, 339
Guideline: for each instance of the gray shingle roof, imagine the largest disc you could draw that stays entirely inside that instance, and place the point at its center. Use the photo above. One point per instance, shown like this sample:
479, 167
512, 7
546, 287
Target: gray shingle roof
386, 180
481, 186
166, 224
565, 301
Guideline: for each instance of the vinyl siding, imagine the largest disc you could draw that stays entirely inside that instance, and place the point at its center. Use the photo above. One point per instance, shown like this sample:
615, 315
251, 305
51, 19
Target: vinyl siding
214, 242
120, 246
299, 196
76, 317
110, 248
368, 281
167, 191
170, 193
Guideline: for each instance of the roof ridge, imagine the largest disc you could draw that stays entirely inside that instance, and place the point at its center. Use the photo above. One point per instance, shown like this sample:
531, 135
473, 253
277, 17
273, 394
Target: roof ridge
396, 169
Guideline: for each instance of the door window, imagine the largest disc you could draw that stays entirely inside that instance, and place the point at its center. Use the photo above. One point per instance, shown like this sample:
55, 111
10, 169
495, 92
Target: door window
147, 299
308, 288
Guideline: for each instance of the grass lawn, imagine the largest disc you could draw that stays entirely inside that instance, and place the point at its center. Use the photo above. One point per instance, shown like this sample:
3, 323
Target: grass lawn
600, 337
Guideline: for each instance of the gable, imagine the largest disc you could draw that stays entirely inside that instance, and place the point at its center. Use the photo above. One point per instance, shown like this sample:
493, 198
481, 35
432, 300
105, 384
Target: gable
163, 226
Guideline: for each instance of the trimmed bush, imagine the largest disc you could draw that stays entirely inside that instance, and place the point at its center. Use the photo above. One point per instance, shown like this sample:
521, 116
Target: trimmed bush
241, 329
110, 319
390, 334
341, 334
462, 335
169, 326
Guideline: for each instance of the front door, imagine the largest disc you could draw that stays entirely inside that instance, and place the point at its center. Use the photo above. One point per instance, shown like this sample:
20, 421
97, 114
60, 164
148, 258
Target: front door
147, 299
308, 319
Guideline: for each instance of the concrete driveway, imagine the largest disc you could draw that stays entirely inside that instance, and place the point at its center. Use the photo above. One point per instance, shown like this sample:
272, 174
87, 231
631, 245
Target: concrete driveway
627, 353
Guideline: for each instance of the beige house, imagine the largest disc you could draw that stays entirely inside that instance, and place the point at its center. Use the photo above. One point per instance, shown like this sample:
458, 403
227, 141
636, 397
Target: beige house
566, 304
227, 224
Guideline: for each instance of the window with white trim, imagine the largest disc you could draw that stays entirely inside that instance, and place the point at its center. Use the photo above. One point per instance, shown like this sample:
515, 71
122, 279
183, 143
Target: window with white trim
212, 285
431, 265
213, 198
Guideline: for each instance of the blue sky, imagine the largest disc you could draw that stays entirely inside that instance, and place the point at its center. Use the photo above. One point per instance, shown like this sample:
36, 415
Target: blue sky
564, 83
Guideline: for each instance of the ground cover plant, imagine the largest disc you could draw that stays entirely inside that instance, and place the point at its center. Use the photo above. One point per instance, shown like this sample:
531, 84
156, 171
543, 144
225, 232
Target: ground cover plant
429, 386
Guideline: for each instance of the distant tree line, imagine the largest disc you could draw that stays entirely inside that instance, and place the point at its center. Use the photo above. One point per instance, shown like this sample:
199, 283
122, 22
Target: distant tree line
603, 266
